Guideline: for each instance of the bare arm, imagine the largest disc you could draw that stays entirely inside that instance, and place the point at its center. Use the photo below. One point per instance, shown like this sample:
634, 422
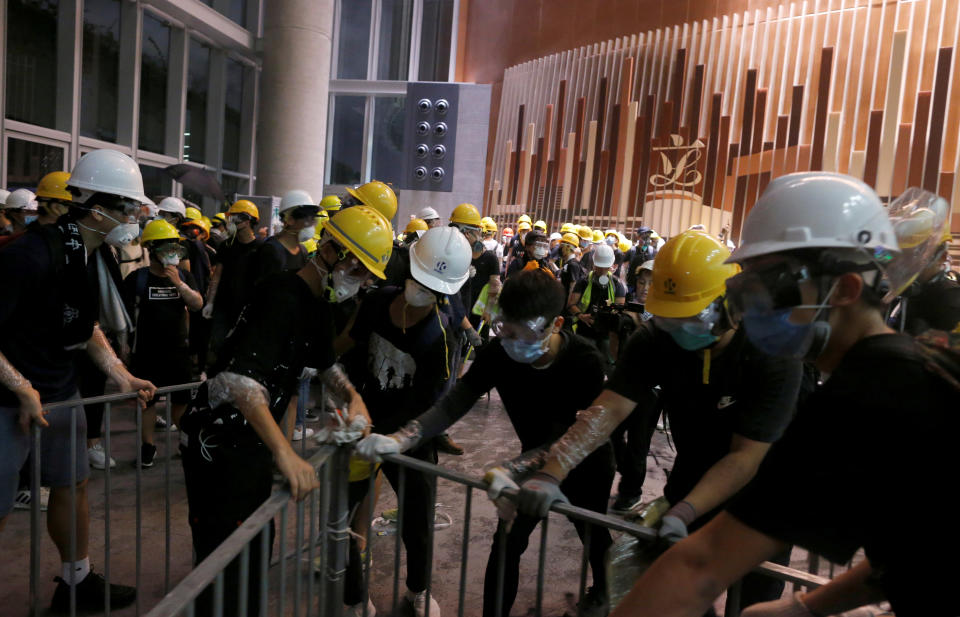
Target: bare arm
191, 298
591, 430
848, 591
686, 579
214, 283
104, 358
728, 475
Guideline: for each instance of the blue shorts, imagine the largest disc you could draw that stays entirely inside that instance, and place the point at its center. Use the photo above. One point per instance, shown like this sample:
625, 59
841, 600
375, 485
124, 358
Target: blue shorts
55, 461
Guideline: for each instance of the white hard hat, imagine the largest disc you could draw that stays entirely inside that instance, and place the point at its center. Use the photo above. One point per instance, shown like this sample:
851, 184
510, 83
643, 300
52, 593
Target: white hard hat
427, 214
295, 199
108, 171
555, 236
21, 199
441, 259
174, 205
3, 196
810, 210
603, 256
647, 265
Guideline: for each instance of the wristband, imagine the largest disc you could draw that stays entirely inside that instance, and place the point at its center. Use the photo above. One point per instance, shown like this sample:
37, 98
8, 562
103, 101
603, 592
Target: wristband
683, 511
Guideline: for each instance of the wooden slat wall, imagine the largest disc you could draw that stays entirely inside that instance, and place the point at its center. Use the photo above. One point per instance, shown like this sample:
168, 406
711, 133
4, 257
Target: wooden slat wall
687, 124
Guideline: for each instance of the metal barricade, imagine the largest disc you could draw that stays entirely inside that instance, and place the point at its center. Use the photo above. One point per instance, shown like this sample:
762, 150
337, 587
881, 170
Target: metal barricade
75, 406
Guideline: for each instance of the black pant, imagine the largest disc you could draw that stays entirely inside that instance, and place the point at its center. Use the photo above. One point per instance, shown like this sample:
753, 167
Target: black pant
353, 582
587, 486
631, 444
91, 381
418, 514
221, 494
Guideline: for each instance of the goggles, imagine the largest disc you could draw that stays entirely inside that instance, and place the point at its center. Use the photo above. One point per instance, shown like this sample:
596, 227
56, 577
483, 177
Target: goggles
171, 217
540, 245
238, 218
351, 265
527, 330
169, 249
775, 288
303, 212
347, 200
703, 322
467, 229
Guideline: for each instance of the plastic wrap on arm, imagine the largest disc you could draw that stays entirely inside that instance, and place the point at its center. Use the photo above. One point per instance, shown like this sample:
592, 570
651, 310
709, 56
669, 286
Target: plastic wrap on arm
591, 430
10, 377
238, 390
337, 383
409, 435
103, 356
525, 465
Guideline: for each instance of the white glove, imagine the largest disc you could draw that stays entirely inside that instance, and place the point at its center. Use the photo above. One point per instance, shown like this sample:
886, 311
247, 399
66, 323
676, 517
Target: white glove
790, 606
371, 447
207, 311
498, 479
672, 528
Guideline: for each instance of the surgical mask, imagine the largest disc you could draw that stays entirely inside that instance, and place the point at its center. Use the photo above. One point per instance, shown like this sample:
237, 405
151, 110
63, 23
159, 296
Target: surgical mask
611, 240
345, 285
307, 233
692, 341
29, 219
526, 352
231, 229
415, 295
774, 334
603, 279
121, 235
219, 234
170, 259
695, 332
539, 252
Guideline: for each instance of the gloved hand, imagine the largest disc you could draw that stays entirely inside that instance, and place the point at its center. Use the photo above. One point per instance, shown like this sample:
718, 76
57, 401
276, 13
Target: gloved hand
539, 493
371, 447
673, 525
498, 479
207, 311
790, 606
473, 337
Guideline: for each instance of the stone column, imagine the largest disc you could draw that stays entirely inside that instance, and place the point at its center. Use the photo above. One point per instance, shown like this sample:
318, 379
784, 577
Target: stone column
294, 86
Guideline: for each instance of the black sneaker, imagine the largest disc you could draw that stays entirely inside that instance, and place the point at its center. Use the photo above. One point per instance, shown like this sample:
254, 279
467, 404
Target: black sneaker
626, 503
448, 446
90, 592
148, 452
310, 416
594, 604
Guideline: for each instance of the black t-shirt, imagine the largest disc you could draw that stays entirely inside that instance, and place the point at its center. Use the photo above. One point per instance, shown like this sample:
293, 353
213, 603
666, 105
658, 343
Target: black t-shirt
397, 270
405, 371
31, 318
283, 329
160, 313
571, 274
587, 261
199, 257
541, 403
485, 266
273, 257
236, 276
748, 394
937, 306
830, 483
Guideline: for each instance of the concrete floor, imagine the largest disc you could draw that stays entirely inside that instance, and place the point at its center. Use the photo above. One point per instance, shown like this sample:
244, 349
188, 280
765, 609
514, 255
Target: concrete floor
486, 435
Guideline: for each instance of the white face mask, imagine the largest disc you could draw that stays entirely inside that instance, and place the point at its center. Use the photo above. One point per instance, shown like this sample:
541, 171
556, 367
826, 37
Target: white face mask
170, 260
121, 235
540, 252
603, 280
415, 295
306, 233
231, 229
345, 285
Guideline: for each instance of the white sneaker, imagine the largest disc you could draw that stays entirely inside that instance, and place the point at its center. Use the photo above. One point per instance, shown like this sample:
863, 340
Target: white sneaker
24, 497
419, 602
299, 433
98, 457
357, 609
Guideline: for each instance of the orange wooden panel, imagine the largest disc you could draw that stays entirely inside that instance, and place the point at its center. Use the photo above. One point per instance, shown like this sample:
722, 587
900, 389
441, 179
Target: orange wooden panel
917, 150
945, 189
873, 147
713, 142
901, 160
626, 87
515, 183
780, 147
724, 148
937, 118
823, 98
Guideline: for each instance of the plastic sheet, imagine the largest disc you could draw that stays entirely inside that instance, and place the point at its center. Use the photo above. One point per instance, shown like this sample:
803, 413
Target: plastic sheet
104, 357
525, 465
335, 429
591, 430
919, 218
336, 381
227, 387
10, 377
628, 558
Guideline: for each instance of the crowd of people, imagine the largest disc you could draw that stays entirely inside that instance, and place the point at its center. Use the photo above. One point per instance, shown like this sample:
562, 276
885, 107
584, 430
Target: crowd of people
786, 368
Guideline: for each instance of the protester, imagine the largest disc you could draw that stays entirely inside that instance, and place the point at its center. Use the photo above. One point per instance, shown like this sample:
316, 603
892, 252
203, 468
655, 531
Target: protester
36, 357
531, 355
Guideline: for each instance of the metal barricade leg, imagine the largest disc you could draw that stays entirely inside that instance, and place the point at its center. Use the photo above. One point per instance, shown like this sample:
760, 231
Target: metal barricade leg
468, 507
107, 408
73, 506
401, 489
35, 522
584, 565
139, 492
338, 530
542, 565
732, 606
166, 494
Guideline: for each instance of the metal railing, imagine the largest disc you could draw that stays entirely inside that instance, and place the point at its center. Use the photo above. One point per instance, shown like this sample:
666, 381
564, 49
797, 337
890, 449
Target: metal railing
330, 501
75, 406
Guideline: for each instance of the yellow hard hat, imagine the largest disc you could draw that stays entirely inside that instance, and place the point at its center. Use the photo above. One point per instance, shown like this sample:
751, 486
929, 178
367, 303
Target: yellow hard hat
624, 245
158, 229
220, 216
364, 232
611, 232
570, 238
245, 206
206, 219
331, 203
193, 214
488, 225
466, 214
54, 186
541, 225
310, 245
202, 224
377, 195
688, 274
523, 226
416, 225
568, 228
524, 219
597, 236
585, 233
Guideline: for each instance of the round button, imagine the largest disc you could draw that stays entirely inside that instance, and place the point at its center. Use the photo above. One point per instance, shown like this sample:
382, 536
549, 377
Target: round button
442, 106
424, 105
440, 129
423, 128
422, 150
420, 173
436, 174
439, 151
